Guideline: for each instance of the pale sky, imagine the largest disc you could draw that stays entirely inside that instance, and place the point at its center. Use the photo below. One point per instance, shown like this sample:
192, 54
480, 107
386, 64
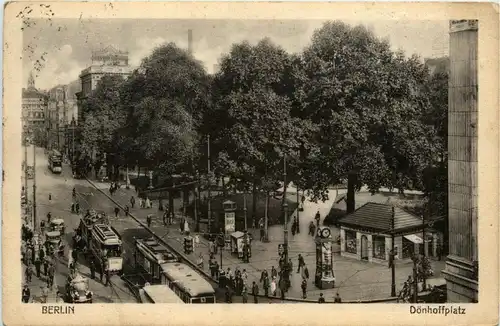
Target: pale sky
67, 43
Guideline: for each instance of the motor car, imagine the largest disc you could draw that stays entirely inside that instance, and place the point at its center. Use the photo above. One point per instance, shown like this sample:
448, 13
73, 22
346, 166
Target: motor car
77, 289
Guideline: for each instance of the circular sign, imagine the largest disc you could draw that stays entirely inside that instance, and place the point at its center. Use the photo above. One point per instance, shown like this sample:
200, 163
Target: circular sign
325, 233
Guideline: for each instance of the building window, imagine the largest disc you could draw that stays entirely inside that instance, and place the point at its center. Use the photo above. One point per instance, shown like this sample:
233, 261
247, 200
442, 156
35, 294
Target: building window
378, 247
350, 242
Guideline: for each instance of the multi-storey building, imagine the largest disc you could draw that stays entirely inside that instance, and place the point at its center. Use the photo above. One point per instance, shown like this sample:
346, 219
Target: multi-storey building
34, 111
461, 271
108, 61
61, 114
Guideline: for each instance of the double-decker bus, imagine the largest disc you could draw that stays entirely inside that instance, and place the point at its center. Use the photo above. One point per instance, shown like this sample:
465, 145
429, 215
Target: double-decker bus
55, 161
149, 254
190, 286
106, 246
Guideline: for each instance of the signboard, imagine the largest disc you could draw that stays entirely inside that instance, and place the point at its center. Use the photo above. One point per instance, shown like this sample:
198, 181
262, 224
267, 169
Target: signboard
230, 222
463, 25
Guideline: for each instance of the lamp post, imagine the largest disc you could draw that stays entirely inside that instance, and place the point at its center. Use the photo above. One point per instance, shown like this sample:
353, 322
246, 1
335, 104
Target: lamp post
34, 188
298, 209
285, 214
209, 215
73, 125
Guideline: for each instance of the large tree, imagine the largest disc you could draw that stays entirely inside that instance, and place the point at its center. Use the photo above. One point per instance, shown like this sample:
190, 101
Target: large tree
103, 118
251, 123
367, 103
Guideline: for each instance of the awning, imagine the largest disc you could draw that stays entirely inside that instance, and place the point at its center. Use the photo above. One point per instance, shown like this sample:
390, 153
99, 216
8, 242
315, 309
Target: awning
414, 238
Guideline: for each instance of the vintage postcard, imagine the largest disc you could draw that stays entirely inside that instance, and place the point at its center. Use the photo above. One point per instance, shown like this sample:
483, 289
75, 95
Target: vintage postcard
160, 155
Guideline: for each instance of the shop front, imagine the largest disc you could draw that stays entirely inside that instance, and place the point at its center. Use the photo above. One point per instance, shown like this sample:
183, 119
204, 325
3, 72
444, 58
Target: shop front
365, 236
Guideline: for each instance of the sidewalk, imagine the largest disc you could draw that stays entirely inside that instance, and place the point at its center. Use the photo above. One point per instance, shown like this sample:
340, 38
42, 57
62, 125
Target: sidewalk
355, 280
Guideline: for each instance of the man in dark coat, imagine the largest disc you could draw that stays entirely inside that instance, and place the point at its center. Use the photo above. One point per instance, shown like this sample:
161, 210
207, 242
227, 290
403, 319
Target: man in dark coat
26, 294
255, 292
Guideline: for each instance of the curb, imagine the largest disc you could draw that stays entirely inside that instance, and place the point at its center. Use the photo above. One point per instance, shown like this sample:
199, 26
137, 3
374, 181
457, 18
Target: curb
187, 261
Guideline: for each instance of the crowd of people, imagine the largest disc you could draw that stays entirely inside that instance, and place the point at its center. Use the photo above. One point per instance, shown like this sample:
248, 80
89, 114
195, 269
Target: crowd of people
40, 261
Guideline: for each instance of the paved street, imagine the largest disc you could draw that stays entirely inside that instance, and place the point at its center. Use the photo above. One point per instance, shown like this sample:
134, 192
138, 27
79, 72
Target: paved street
60, 186
356, 280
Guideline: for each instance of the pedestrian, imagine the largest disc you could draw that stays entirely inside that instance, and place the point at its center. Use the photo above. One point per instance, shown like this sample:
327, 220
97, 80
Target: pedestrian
230, 276
272, 286
108, 276
132, 201
92, 269
41, 254
301, 263
263, 275
290, 265
165, 217
303, 286
262, 234
321, 298
45, 294
117, 210
229, 295
200, 261
51, 272
148, 203
50, 196
49, 217
28, 273
38, 265
274, 272
266, 284
186, 226
181, 225
46, 266
77, 208
74, 192
244, 293
244, 275
255, 292
337, 298
160, 205
294, 229
101, 273
42, 225
127, 210
305, 273
317, 217
26, 294
148, 220
196, 241
283, 288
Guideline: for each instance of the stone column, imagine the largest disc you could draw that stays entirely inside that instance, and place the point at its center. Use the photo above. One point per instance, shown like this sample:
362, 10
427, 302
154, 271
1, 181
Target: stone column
460, 275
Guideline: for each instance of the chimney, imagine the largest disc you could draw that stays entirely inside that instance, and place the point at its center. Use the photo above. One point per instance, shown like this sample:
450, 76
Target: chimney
190, 41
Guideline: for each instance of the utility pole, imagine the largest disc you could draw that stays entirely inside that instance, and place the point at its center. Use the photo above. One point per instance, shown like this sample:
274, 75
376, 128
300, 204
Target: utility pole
393, 254
26, 169
73, 126
424, 254
209, 181
415, 282
35, 226
298, 209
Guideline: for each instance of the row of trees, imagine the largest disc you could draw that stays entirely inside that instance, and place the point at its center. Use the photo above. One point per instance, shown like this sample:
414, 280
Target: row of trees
346, 108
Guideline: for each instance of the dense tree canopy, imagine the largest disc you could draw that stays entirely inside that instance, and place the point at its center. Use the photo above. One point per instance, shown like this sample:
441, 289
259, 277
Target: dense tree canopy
346, 108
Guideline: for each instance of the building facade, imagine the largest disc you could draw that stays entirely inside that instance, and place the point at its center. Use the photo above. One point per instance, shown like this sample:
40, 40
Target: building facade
34, 111
62, 116
461, 271
108, 61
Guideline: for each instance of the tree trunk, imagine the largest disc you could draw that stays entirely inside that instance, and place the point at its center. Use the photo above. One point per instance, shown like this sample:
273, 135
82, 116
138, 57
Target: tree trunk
224, 190
351, 192
196, 220
171, 203
255, 198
